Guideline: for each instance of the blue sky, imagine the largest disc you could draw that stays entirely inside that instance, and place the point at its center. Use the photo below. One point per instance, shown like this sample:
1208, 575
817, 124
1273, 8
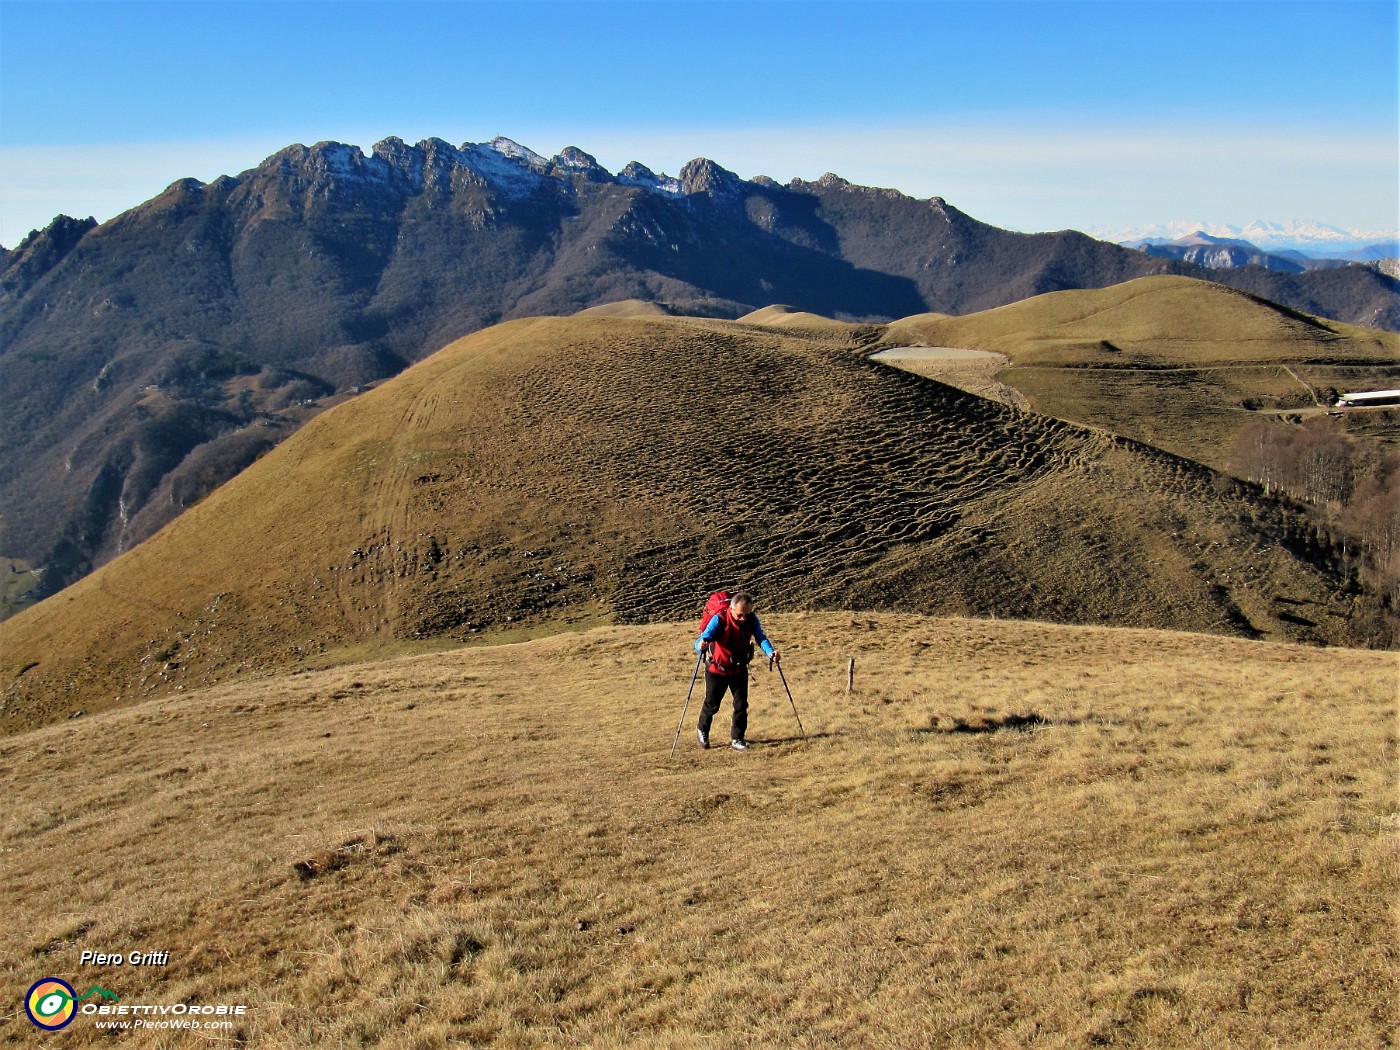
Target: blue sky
1032, 115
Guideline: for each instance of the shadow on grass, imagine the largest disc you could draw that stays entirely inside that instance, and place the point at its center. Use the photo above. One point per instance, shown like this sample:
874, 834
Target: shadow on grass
775, 741
1027, 723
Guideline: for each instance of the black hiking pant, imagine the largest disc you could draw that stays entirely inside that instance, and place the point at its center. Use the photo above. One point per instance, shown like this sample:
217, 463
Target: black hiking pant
738, 687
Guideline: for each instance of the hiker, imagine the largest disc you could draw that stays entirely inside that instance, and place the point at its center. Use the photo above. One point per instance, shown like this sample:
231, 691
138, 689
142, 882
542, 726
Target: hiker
728, 640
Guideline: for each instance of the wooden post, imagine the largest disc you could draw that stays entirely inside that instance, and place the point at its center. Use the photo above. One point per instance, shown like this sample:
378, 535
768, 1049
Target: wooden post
851, 676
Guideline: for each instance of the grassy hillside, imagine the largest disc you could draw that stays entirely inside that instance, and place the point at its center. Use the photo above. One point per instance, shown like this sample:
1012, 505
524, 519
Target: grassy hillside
557, 472
1152, 322
1178, 363
629, 308
1011, 834
779, 316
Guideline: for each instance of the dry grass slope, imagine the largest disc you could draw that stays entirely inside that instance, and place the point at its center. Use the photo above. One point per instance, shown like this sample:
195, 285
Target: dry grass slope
552, 473
629, 308
1012, 834
780, 316
1174, 362
1151, 322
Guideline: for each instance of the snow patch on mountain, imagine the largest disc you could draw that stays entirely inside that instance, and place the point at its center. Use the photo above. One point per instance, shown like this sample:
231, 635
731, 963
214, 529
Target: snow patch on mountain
512, 169
1309, 236
511, 173
637, 174
341, 159
516, 152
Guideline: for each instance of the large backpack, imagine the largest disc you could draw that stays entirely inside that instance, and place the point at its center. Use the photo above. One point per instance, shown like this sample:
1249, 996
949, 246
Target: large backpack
718, 602
731, 652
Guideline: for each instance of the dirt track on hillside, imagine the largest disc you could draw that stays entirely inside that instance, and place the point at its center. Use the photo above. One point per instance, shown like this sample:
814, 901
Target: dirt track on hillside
972, 371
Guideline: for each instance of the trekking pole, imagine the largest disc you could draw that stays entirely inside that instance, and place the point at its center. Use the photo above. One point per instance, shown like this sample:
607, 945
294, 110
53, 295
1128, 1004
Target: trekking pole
779, 666
679, 725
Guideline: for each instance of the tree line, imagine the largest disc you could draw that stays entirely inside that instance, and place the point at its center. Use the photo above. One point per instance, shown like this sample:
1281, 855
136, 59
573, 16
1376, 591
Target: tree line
1353, 484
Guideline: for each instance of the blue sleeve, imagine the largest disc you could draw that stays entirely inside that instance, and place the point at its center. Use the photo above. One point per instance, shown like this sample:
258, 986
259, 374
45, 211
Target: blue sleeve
710, 633
760, 637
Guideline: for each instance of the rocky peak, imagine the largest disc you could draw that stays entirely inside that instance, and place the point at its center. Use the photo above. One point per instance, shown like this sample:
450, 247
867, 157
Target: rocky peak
636, 174
400, 156
504, 164
390, 148
428, 161
337, 158
183, 189
42, 250
573, 157
60, 235
437, 152
573, 161
705, 176
522, 155
325, 161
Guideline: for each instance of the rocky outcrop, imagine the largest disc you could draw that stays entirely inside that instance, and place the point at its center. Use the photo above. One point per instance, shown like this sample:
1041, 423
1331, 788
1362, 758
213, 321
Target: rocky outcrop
41, 251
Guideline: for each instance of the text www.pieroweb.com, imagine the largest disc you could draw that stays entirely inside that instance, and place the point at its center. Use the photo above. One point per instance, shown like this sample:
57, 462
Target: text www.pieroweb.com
176, 1024
181, 1017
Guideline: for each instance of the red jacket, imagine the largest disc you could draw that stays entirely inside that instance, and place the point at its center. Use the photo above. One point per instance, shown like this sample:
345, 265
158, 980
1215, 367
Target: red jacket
731, 643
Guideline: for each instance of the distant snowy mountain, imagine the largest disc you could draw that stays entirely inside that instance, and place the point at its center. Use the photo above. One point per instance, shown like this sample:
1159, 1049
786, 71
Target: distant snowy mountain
1313, 238
1228, 253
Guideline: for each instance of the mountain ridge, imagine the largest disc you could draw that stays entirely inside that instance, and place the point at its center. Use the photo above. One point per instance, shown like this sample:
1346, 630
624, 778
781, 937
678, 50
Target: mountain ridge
1228, 253
1311, 236
148, 359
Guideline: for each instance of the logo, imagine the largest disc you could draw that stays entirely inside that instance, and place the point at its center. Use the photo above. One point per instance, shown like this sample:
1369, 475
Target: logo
51, 1004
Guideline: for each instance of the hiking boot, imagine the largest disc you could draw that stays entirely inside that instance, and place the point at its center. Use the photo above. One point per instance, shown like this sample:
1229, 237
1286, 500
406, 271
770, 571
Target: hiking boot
738, 745
703, 737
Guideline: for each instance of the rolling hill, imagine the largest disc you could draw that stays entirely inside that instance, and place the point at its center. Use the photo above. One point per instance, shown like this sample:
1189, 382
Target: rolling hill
1154, 322
1174, 362
780, 316
551, 473
145, 361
